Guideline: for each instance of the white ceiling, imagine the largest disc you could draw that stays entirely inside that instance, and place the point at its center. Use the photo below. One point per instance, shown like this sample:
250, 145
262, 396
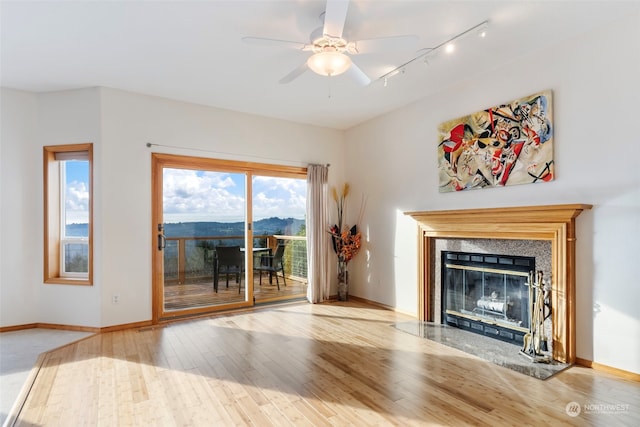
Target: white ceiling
192, 50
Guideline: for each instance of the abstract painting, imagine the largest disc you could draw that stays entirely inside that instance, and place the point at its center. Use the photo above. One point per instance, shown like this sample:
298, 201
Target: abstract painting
505, 145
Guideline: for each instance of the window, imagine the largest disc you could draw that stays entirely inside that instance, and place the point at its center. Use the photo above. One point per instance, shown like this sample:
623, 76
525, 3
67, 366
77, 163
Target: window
68, 207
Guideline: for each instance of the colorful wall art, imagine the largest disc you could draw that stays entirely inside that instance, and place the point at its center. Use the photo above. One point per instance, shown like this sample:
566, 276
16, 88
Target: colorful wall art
505, 145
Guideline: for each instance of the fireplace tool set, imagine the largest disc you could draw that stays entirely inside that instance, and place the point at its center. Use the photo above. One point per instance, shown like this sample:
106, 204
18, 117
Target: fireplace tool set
535, 341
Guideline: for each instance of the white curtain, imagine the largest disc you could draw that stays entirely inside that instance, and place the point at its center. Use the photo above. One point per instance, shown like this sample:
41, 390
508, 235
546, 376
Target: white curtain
317, 234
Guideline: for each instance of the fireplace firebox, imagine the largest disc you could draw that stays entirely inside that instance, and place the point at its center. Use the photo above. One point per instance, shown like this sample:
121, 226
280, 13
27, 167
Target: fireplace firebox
487, 294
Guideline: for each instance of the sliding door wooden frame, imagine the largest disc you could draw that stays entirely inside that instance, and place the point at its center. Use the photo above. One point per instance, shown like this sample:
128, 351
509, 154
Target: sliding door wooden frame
159, 161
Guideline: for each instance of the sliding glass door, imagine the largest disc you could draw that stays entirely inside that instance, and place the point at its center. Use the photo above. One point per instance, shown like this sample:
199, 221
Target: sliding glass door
279, 219
206, 245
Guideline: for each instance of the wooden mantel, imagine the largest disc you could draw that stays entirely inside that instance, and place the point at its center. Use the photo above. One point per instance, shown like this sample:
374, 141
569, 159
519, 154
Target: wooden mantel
555, 223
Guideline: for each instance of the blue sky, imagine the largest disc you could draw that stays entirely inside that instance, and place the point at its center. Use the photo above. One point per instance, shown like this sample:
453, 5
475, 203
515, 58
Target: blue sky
77, 194
191, 195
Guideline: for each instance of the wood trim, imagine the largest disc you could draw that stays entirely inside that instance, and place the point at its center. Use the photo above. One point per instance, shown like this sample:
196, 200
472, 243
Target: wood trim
51, 194
380, 305
49, 326
555, 223
632, 376
370, 302
248, 232
205, 311
67, 281
50, 205
18, 327
226, 312
68, 327
537, 214
425, 252
156, 218
95, 330
124, 326
263, 169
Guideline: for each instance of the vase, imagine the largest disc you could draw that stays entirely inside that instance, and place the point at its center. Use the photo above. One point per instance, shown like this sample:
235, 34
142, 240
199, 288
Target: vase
343, 281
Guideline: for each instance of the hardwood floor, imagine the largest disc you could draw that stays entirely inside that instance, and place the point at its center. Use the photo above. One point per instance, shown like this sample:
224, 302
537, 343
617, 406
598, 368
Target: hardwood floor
202, 294
305, 365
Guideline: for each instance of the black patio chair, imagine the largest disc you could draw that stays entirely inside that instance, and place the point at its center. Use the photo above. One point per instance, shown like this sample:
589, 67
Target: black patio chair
229, 260
272, 264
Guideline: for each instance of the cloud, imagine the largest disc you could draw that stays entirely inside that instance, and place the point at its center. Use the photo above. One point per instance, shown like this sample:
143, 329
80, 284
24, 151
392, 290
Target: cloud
209, 196
279, 197
77, 202
220, 196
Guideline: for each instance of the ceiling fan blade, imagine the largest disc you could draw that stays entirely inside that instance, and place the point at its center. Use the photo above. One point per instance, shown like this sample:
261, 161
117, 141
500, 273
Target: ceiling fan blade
261, 41
294, 74
334, 17
356, 73
384, 44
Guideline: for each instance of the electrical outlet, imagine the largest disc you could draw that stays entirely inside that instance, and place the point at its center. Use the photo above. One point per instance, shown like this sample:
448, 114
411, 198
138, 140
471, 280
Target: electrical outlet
115, 299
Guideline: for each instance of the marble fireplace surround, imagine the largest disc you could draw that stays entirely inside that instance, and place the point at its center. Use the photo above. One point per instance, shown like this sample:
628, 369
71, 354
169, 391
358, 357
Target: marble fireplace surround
554, 223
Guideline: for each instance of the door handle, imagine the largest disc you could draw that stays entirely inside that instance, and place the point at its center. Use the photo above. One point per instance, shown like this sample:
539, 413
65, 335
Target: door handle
162, 241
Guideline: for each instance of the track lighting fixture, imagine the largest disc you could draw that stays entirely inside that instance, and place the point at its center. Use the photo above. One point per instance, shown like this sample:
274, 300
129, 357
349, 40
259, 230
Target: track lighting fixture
448, 46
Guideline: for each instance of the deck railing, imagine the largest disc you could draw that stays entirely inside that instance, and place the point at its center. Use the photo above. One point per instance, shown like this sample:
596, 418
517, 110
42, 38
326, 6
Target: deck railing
190, 259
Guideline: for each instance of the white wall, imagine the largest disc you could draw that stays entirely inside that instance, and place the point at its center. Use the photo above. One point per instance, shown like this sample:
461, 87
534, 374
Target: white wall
69, 117
129, 121
30, 122
20, 231
119, 124
595, 87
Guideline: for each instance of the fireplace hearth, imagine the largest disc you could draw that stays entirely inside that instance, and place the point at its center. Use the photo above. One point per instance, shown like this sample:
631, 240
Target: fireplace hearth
500, 353
487, 294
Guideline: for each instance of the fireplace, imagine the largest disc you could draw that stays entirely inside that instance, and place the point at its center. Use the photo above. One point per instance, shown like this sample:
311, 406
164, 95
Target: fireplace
554, 224
486, 294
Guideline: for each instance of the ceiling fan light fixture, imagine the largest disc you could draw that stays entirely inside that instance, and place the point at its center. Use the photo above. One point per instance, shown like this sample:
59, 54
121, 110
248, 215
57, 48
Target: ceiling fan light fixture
329, 63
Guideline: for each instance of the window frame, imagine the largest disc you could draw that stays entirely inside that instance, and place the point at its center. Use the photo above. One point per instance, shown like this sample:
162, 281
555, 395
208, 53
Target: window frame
53, 221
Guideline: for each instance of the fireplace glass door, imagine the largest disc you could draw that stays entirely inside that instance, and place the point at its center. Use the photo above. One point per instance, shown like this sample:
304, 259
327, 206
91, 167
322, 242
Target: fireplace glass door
487, 294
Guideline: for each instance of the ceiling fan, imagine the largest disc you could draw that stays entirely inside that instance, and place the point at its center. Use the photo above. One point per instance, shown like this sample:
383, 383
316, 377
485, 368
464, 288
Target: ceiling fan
331, 52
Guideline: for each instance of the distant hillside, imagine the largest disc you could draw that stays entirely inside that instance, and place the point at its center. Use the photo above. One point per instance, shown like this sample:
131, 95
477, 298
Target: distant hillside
286, 226
77, 230
267, 226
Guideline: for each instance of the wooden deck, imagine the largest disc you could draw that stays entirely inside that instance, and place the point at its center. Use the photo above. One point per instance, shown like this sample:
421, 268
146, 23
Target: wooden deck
333, 364
181, 296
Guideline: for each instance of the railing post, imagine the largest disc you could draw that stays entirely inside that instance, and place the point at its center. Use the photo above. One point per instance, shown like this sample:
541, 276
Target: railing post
182, 261
272, 243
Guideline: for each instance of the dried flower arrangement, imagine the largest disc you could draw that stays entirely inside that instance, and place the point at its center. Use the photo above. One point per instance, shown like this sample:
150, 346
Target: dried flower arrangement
346, 240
